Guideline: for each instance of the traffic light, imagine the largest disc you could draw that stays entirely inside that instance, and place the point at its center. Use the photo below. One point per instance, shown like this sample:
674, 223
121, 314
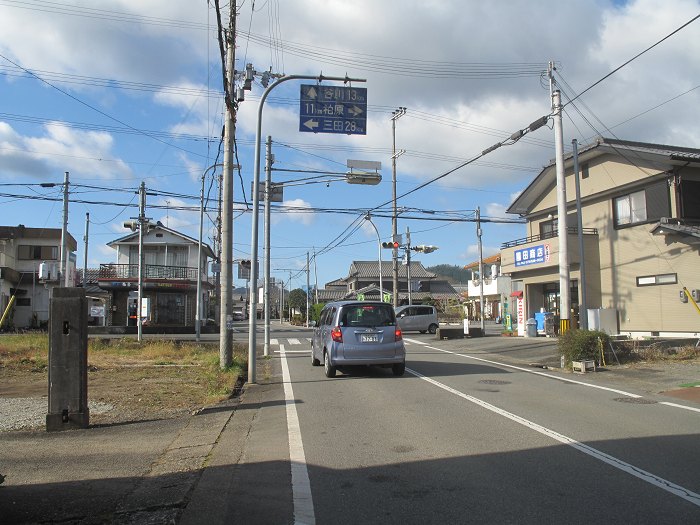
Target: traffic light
245, 263
391, 245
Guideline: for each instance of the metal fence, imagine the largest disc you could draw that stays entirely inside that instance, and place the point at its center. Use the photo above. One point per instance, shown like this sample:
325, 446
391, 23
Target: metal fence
548, 235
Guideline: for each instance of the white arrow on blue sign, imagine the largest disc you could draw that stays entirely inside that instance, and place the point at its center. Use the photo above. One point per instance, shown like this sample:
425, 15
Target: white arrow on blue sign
333, 109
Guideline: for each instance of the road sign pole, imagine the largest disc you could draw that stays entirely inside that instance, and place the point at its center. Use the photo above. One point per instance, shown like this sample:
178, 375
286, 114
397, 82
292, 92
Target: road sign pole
255, 219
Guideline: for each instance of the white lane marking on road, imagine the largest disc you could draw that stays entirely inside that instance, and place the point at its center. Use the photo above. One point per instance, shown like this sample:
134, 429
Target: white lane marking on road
274, 342
415, 341
301, 487
676, 405
522, 369
293, 341
293, 351
637, 472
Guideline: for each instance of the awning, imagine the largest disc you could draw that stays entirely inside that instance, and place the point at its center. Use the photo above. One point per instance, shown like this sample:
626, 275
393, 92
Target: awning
518, 294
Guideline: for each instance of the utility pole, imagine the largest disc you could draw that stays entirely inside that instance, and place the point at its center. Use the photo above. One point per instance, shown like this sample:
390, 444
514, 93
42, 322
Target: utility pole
308, 290
564, 298
395, 115
266, 234
85, 238
481, 268
64, 232
226, 315
582, 303
142, 226
316, 276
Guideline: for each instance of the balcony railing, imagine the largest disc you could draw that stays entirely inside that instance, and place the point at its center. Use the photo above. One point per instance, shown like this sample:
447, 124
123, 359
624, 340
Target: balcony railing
548, 235
150, 271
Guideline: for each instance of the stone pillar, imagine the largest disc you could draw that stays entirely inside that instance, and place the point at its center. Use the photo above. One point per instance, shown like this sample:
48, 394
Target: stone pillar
68, 405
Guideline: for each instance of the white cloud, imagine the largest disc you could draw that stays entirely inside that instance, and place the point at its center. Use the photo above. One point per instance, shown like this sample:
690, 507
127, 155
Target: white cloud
495, 209
59, 149
295, 210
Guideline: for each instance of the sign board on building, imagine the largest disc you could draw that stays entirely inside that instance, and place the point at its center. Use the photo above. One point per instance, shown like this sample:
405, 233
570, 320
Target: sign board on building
520, 308
97, 311
333, 109
533, 255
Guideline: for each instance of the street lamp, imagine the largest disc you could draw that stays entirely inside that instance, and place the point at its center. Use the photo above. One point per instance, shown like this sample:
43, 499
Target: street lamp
368, 218
198, 315
368, 175
256, 203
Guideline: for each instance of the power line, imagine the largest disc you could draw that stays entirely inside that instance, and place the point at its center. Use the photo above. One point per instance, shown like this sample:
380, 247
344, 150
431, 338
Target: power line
632, 59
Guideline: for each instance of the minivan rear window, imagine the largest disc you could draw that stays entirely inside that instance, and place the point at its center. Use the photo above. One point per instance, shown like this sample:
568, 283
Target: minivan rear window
368, 315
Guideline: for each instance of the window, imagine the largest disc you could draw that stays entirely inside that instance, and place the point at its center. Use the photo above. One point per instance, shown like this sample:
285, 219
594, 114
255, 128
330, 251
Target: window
654, 280
23, 301
647, 205
37, 253
584, 171
548, 229
630, 209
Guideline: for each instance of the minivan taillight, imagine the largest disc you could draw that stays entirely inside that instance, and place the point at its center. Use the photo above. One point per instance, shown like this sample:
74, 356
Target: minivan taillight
397, 334
337, 335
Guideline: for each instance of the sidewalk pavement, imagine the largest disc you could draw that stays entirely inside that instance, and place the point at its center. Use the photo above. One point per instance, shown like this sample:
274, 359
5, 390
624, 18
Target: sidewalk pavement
215, 466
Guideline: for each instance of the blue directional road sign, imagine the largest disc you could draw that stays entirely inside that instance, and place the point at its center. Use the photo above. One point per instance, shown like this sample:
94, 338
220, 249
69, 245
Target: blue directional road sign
333, 109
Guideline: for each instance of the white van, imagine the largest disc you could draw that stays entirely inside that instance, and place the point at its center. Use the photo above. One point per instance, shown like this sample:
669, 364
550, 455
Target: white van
420, 318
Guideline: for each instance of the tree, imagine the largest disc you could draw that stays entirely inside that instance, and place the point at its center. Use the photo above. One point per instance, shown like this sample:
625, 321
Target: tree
297, 300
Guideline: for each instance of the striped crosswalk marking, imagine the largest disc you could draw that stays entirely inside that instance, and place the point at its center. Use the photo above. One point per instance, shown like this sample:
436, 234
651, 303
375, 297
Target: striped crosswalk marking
293, 341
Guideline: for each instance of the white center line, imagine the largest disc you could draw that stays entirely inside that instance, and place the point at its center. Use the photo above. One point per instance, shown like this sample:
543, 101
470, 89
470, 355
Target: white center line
301, 487
637, 472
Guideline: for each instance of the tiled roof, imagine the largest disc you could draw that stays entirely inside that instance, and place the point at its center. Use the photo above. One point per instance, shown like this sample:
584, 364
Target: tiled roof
337, 282
325, 296
370, 270
494, 259
689, 233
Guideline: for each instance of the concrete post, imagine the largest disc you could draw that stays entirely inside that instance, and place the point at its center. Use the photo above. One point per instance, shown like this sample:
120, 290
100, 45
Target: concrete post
68, 405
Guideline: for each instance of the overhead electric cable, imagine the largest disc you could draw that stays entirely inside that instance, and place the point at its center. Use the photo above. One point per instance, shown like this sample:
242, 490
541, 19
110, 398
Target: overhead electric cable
632, 59
140, 132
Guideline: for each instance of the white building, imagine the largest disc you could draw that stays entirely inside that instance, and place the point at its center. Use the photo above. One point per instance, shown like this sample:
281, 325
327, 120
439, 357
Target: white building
23, 253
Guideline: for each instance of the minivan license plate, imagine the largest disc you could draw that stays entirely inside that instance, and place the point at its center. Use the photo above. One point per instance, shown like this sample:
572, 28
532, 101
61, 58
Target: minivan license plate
369, 338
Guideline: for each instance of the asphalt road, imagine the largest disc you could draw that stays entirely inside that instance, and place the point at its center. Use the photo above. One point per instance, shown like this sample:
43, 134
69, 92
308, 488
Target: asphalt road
462, 438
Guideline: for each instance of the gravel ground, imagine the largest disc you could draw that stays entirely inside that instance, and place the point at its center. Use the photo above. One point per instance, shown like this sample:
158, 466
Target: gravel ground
26, 413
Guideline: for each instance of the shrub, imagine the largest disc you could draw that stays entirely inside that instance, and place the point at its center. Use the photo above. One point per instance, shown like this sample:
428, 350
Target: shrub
576, 345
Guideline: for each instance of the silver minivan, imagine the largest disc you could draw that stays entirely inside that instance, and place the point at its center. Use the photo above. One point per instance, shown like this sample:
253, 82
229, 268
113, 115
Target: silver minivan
419, 318
352, 333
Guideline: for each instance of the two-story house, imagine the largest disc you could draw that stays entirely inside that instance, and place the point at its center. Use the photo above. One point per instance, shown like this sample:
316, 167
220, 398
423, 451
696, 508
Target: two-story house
170, 276
640, 211
23, 253
496, 289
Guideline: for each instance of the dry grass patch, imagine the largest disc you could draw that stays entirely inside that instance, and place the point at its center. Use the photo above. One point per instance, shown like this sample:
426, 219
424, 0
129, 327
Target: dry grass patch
155, 378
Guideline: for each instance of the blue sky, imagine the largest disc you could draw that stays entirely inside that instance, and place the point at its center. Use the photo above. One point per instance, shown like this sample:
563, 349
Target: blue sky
125, 91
